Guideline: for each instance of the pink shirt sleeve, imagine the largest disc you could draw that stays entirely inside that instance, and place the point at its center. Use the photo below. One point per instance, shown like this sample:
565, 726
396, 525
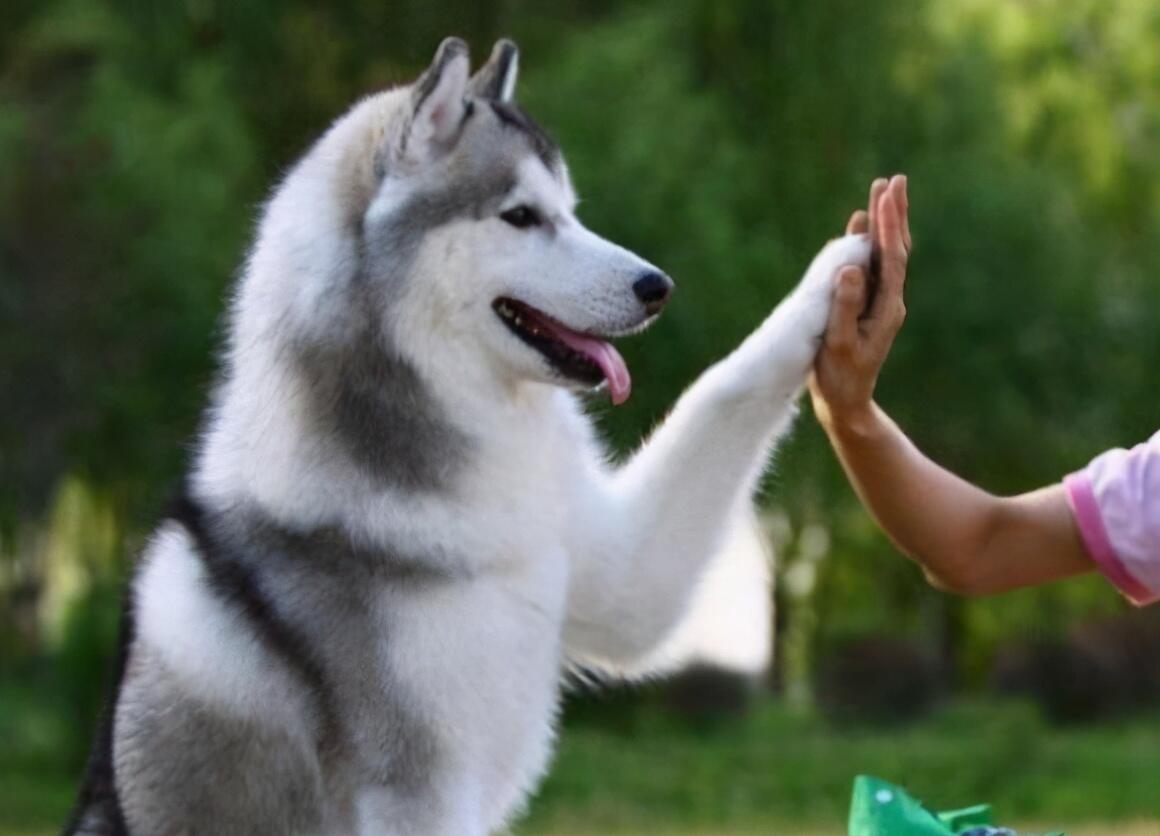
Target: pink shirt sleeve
1116, 502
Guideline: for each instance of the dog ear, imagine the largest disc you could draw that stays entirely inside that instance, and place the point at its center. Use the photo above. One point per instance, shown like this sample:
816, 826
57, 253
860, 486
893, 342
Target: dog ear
438, 104
496, 79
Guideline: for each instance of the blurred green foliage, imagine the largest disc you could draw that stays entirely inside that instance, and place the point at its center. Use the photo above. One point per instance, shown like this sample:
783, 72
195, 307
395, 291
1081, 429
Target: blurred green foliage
725, 141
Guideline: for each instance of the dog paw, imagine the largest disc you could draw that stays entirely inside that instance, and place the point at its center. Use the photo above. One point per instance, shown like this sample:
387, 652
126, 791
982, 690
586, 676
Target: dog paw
784, 347
849, 250
817, 287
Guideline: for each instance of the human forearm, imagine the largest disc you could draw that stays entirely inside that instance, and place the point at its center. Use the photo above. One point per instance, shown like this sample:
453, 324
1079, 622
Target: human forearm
967, 540
905, 491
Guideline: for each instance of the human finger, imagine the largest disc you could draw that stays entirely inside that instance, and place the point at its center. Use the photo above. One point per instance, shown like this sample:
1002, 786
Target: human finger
891, 259
849, 300
877, 188
888, 309
901, 190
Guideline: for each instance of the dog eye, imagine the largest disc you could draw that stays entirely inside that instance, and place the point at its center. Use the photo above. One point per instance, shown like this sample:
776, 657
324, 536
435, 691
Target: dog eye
522, 217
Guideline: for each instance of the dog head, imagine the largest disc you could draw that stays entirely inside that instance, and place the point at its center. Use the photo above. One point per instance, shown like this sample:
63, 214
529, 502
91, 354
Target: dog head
470, 232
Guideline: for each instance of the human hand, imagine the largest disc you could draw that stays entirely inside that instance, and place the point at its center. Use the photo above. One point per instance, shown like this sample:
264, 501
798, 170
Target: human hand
867, 312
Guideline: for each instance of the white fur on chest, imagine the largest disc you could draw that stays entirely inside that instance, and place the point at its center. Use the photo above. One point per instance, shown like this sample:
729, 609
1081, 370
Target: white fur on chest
482, 658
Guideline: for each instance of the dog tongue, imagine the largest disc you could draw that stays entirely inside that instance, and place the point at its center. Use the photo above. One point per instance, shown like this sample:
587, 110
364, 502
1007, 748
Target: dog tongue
603, 355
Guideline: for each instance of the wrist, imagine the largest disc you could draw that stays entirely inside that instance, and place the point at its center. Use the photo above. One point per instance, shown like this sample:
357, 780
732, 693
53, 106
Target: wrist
852, 422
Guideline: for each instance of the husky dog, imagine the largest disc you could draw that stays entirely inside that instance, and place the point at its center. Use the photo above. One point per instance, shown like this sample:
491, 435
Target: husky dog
399, 530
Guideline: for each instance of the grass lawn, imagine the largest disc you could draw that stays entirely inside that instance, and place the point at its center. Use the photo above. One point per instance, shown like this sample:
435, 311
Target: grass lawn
773, 772
777, 772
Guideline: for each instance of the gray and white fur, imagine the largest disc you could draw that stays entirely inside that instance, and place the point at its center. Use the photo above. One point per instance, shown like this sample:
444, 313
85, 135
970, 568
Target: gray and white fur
399, 530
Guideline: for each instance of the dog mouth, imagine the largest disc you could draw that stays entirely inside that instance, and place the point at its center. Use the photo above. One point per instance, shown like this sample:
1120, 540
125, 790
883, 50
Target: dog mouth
585, 358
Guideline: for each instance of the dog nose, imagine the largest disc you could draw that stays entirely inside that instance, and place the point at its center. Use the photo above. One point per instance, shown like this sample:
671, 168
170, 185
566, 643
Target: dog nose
653, 289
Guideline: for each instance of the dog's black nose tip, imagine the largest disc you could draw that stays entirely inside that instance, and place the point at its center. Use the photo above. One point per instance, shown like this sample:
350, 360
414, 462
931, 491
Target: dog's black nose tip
653, 289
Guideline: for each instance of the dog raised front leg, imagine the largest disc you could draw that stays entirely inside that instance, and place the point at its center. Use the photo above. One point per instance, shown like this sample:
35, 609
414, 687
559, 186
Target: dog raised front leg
651, 526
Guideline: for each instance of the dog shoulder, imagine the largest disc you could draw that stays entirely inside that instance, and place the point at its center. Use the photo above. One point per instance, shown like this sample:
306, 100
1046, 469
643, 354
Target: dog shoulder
201, 641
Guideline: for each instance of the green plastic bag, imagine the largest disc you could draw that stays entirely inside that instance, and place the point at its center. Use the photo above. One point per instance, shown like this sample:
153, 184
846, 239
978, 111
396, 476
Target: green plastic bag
879, 808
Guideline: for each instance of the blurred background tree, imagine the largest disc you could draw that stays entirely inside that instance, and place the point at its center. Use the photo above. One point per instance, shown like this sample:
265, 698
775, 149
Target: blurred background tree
725, 141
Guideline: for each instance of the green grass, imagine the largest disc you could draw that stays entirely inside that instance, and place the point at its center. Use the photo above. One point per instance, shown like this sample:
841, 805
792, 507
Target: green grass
777, 772
773, 772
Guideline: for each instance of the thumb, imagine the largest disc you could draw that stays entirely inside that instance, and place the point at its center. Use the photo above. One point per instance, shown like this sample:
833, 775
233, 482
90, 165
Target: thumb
849, 302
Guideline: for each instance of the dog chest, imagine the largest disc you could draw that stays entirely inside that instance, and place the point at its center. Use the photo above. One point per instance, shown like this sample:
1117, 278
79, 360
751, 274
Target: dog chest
480, 661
